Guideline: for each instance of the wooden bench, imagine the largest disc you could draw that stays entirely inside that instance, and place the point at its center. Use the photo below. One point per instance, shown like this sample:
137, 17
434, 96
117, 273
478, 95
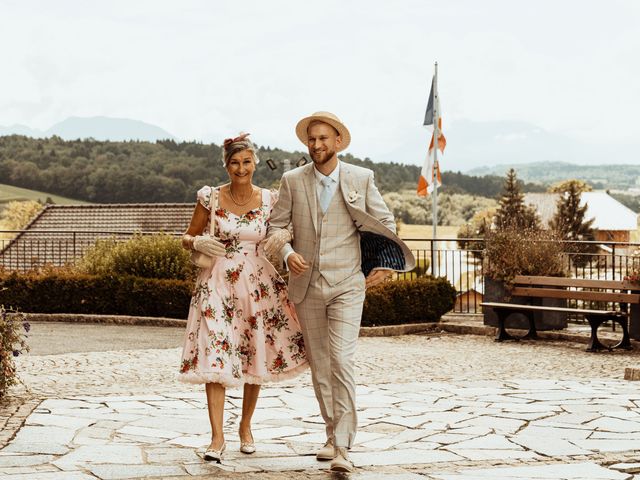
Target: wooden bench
531, 289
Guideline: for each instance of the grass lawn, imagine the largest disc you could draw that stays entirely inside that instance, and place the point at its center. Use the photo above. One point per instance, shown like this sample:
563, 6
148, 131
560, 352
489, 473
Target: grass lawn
10, 193
426, 231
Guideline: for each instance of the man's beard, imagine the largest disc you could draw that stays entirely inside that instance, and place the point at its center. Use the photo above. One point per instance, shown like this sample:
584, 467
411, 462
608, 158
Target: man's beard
321, 158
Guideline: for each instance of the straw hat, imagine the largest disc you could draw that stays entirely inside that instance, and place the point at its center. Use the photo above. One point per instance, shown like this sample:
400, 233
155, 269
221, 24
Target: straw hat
326, 117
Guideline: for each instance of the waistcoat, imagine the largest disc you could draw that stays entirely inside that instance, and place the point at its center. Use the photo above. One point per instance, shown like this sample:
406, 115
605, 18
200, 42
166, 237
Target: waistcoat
337, 254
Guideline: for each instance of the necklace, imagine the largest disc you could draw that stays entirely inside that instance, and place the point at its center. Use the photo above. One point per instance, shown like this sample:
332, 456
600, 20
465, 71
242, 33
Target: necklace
238, 203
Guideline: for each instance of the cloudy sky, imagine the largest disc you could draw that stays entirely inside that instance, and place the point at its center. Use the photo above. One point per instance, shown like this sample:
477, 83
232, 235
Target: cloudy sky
519, 80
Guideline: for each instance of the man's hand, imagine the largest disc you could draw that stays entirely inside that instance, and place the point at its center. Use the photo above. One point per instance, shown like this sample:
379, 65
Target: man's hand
377, 276
209, 246
297, 264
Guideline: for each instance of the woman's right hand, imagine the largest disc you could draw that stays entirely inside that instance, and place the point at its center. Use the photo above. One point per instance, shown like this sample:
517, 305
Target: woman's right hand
276, 241
209, 246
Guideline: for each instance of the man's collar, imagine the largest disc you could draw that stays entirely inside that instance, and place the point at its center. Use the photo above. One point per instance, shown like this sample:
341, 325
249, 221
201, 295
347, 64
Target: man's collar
334, 175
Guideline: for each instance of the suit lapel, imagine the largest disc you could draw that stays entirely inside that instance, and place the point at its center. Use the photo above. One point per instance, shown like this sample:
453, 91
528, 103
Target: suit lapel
347, 183
310, 187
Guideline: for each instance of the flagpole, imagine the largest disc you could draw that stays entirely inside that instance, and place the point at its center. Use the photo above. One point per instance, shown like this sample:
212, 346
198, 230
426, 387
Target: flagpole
434, 178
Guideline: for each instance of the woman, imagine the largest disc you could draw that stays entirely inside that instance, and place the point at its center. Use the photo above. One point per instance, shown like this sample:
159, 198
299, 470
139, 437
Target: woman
241, 328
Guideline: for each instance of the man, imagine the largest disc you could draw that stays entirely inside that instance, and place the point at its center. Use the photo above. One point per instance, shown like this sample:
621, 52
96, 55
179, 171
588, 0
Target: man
342, 229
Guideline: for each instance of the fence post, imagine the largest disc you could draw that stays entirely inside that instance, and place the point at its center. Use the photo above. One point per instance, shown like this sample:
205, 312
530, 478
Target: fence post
433, 262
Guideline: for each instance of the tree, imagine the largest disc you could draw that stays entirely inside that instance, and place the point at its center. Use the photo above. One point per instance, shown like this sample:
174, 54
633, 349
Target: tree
17, 215
476, 228
512, 212
566, 185
570, 224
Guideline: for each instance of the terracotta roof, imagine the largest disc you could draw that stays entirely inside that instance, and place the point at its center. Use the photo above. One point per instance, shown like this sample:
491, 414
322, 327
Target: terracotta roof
61, 233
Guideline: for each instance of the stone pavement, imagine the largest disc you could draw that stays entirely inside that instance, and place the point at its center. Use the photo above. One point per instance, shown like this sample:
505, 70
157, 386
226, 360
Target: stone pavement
437, 406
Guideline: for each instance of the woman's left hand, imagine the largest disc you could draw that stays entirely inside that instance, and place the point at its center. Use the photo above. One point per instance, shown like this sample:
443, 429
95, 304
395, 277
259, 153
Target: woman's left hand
276, 241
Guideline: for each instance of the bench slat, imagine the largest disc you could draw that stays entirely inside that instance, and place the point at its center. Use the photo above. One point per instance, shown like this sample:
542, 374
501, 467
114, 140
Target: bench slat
576, 295
516, 306
573, 282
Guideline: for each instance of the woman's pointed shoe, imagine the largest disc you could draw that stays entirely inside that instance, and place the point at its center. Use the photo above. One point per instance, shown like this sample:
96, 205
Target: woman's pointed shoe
215, 455
248, 447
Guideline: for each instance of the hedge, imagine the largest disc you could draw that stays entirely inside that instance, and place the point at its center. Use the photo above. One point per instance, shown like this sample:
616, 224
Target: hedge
66, 292
423, 299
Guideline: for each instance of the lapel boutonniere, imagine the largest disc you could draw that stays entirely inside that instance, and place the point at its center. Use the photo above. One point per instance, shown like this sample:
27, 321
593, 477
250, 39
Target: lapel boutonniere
353, 196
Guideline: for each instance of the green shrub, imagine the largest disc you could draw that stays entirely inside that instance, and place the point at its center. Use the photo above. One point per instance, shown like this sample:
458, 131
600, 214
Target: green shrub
515, 251
148, 256
64, 291
12, 343
423, 299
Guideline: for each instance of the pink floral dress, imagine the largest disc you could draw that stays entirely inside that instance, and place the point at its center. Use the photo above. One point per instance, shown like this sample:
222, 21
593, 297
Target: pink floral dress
241, 328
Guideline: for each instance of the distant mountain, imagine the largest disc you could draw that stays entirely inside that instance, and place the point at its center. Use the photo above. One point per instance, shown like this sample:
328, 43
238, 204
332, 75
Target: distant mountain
99, 128
471, 143
600, 176
21, 130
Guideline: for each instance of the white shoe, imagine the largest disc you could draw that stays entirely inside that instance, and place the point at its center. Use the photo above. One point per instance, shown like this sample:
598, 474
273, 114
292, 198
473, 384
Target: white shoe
327, 452
248, 447
341, 462
215, 455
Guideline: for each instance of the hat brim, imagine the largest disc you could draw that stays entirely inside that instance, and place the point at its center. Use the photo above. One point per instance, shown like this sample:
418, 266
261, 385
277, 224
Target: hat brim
303, 125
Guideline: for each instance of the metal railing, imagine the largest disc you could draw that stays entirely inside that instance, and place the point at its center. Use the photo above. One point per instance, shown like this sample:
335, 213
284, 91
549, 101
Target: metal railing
24, 250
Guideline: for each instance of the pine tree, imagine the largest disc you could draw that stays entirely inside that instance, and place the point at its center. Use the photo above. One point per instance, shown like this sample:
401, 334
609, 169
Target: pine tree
570, 224
512, 212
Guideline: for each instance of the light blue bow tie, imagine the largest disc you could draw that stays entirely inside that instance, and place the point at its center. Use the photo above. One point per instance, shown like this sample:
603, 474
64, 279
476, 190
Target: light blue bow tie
325, 194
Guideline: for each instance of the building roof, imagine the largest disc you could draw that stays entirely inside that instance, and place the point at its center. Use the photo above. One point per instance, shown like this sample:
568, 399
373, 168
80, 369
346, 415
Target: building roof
61, 233
607, 212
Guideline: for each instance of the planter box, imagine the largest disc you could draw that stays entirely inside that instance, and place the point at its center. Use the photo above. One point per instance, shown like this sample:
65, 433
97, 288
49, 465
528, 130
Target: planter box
495, 291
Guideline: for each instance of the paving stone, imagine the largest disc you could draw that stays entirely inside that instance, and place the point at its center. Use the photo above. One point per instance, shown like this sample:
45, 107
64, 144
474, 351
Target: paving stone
486, 455
534, 430
386, 476
50, 476
549, 446
291, 433
49, 420
20, 470
54, 435
497, 424
608, 424
191, 425
116, 472
45, 448
194, 441
403, 457
487, 442
100, 454
155, 433
24, 460
608, 445
128, 406
277, 464
626, 467
572, 471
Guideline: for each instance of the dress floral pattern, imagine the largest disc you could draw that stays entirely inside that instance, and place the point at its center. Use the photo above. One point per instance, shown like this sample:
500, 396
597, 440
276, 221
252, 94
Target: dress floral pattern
241, 328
